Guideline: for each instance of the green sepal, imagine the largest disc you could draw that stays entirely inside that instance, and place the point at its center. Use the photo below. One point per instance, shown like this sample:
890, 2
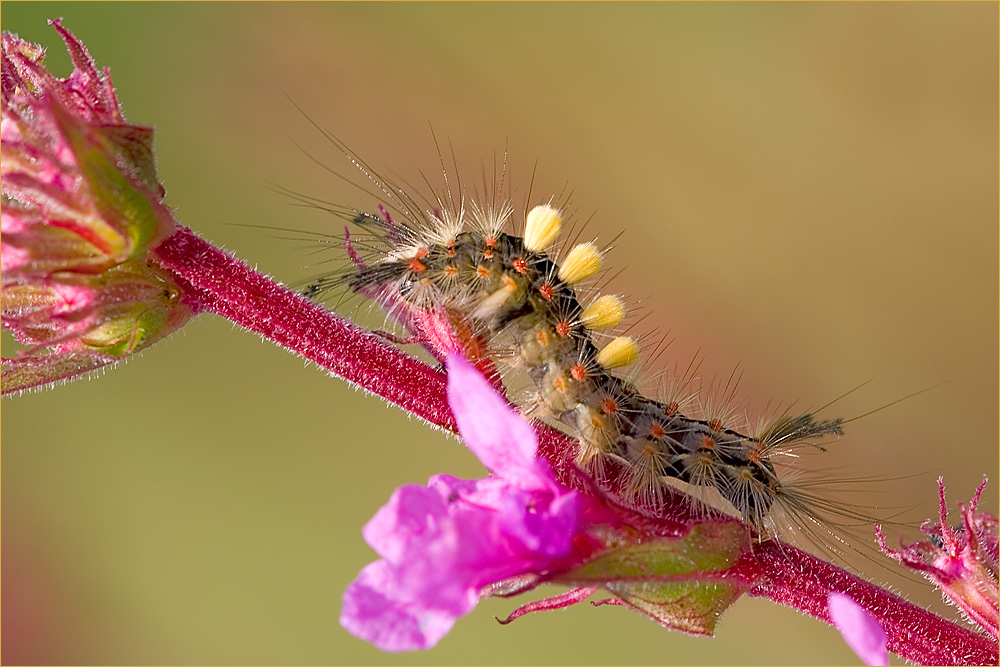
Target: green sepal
43, 370
124, 335
691, 607
683, 583
132, 146
109, 165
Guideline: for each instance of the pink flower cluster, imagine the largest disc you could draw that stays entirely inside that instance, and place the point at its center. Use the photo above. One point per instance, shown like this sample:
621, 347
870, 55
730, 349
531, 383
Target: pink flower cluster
81, 208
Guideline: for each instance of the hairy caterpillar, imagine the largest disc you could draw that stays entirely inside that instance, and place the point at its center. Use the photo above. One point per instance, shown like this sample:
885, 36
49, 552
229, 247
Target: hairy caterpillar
522, 297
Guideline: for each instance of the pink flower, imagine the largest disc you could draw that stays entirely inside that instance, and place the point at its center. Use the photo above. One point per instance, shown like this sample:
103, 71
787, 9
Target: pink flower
860, 630
443, 543
961, 561
81, 208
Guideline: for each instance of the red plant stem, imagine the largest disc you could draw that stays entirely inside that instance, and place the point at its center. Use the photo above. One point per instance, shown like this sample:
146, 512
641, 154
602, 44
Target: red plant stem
215, 281
797, 579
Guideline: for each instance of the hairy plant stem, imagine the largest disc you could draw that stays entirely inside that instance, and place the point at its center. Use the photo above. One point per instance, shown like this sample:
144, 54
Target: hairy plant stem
214, 281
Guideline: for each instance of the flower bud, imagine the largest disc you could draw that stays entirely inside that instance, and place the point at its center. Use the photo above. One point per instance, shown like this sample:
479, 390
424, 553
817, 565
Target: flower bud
959, 560
81, 207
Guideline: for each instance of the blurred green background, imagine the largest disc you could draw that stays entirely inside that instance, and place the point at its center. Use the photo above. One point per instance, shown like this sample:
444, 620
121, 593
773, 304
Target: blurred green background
807, 190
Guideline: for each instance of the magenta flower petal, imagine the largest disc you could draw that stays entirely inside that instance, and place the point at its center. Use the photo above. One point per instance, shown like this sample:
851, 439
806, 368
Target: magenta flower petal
444, 543
491, 428
861, 632
412, 512
546, 533
398, 625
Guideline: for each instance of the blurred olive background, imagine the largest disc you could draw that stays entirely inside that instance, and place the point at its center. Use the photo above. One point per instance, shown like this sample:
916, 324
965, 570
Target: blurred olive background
808, 191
